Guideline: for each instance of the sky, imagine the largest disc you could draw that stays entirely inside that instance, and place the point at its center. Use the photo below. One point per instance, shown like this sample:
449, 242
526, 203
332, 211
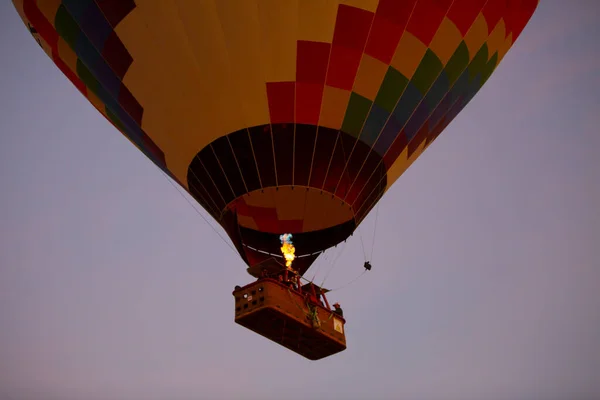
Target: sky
486, 263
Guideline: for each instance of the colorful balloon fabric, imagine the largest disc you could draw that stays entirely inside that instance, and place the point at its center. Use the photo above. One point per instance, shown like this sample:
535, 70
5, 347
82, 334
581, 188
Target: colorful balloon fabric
279, 116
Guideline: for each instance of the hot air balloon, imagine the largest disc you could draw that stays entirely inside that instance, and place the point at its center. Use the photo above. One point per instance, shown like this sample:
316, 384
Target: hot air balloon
280, 116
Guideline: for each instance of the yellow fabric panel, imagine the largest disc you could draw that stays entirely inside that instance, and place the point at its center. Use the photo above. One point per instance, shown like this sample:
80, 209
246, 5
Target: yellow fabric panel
247, 222
290, 202
408, 55
212, 59
316, 209
316, 20
369, 77
187, 98
369, 5
476, 36
416, 153
402, 163
428, 144
323, 212
446, 40
158, 84
333, 107
49, 8
67, 55
19, 7
241, 30
506, 45
397, 168
496, 39
260, 199
279, 34
96, 102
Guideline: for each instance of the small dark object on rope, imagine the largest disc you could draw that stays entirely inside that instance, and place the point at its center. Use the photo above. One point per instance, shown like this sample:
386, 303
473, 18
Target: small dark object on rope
367, 265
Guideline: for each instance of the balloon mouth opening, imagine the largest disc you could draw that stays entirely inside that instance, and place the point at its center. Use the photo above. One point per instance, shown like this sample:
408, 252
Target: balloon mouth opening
281, 256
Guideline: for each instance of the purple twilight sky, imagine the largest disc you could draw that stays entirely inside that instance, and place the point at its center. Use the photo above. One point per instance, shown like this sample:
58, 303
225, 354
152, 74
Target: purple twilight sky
486, 265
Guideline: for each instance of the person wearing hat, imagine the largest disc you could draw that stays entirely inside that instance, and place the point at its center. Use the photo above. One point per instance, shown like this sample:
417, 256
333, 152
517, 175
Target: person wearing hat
338, 310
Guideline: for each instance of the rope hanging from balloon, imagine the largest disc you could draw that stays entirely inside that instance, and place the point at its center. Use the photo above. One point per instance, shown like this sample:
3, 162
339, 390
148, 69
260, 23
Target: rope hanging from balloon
348, 283
374, 233
338, 254
367, 263
339, 287
322, 259
198, 212
362, 243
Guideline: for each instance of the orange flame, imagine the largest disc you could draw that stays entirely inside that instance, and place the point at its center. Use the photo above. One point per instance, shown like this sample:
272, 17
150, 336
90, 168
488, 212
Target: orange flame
287, 249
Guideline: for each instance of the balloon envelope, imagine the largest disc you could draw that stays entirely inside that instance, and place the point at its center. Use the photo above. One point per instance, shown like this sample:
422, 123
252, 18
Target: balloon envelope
279, 116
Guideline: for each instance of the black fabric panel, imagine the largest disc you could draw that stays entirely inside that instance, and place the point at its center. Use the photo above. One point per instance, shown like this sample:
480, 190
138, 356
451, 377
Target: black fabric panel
198, 178
240, 142
326, 139
202, 197
336, 166
283, 142
263, 150
229, 165
303, 152
371, 201
373, 162
346, 143
208, 159
377, 182
355, 162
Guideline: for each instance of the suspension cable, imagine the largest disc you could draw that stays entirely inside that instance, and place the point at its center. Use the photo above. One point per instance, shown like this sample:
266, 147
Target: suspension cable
362, 243
374, 232
198, 212
334, 262
323, 257
348, 283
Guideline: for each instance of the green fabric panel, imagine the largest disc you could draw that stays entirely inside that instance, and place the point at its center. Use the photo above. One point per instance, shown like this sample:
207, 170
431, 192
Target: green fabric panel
66, 27
457, 63
87, 77
391, 89
478, 63
490, 67
427, 71
358, 108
